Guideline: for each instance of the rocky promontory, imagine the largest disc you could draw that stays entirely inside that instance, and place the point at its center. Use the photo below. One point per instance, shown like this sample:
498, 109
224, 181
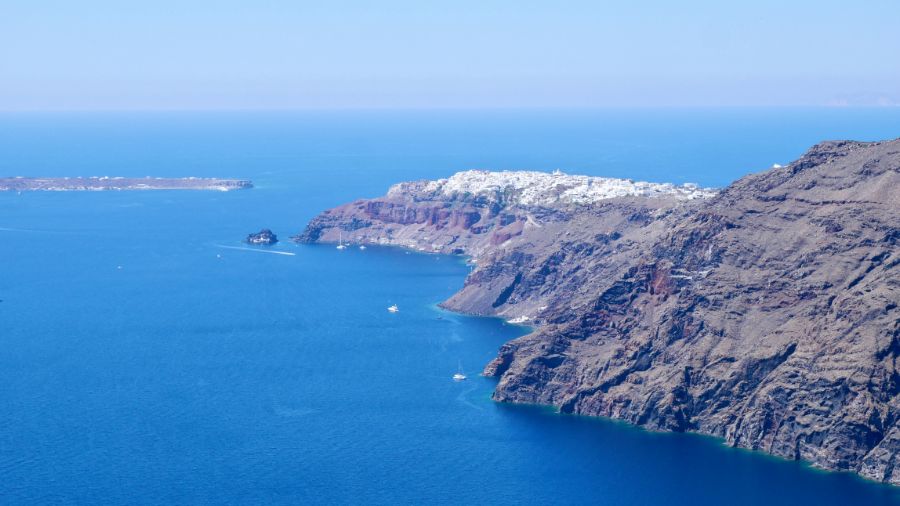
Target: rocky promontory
765, 313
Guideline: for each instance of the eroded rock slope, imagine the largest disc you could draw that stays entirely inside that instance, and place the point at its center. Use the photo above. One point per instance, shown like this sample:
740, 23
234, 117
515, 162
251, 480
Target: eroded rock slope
765, 313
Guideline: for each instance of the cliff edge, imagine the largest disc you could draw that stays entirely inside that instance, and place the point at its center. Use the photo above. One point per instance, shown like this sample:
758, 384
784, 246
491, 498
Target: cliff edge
765, 313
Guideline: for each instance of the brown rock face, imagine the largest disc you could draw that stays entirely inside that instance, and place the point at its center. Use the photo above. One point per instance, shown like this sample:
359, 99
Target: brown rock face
766, 315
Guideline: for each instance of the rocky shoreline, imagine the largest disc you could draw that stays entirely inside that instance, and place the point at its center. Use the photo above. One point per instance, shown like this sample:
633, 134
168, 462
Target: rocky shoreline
119, 183
765, 313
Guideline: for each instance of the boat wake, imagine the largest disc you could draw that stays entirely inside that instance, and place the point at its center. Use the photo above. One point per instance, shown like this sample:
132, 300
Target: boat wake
463, 398
287, 253
7, 229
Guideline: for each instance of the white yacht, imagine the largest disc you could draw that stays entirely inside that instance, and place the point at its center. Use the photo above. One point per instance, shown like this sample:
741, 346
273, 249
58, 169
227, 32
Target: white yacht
362, 246
341, 244
394, 308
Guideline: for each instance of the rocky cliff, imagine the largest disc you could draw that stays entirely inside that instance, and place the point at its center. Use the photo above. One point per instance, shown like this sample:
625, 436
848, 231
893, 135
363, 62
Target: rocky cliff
765, 313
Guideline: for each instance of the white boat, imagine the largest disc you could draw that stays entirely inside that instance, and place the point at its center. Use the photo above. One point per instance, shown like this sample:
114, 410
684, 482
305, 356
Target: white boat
394, 308
341, 244
362, 246
459, 376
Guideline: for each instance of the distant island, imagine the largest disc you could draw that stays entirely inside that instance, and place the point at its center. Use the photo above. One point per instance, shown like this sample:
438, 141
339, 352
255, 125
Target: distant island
120, 183
764, 313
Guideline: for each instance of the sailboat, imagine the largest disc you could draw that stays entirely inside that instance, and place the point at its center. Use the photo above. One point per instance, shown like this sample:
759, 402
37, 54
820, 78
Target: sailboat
341, 244
459, 376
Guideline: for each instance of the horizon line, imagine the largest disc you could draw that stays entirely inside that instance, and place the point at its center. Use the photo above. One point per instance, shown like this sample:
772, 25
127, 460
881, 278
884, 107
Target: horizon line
441, 108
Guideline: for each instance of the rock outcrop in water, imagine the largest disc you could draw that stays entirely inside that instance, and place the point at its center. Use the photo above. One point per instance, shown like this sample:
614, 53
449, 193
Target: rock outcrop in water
265, 237
765, 313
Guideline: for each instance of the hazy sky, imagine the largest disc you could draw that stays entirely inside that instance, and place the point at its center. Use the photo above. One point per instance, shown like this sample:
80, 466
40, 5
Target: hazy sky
116, 54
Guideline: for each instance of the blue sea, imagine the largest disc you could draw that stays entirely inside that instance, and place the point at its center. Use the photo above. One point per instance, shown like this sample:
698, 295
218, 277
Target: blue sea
145, 360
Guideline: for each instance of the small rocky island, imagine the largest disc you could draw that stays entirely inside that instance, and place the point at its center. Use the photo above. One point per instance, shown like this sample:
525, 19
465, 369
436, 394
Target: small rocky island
765, 313
119, 183
264, 237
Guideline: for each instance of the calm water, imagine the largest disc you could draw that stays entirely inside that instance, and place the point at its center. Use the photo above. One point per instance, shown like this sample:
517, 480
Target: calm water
142, 362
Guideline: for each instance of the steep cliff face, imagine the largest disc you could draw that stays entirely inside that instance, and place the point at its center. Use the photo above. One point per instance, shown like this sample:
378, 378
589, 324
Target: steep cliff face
528, 226
766, 314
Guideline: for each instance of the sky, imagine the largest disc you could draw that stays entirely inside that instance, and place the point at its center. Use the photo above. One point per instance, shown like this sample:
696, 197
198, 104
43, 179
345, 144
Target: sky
267, 54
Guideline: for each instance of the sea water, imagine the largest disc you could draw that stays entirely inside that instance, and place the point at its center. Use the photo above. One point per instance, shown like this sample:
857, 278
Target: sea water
145, 357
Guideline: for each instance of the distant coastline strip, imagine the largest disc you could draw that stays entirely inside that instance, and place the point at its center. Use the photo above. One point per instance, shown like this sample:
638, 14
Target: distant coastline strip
287, 253
119, 183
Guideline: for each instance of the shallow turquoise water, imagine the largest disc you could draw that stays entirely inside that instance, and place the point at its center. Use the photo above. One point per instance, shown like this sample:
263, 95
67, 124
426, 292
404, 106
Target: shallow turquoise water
141, 362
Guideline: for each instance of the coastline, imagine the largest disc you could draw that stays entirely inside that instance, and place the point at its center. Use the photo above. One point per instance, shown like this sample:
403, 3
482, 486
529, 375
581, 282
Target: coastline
663, 314
553, 410
106, 183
